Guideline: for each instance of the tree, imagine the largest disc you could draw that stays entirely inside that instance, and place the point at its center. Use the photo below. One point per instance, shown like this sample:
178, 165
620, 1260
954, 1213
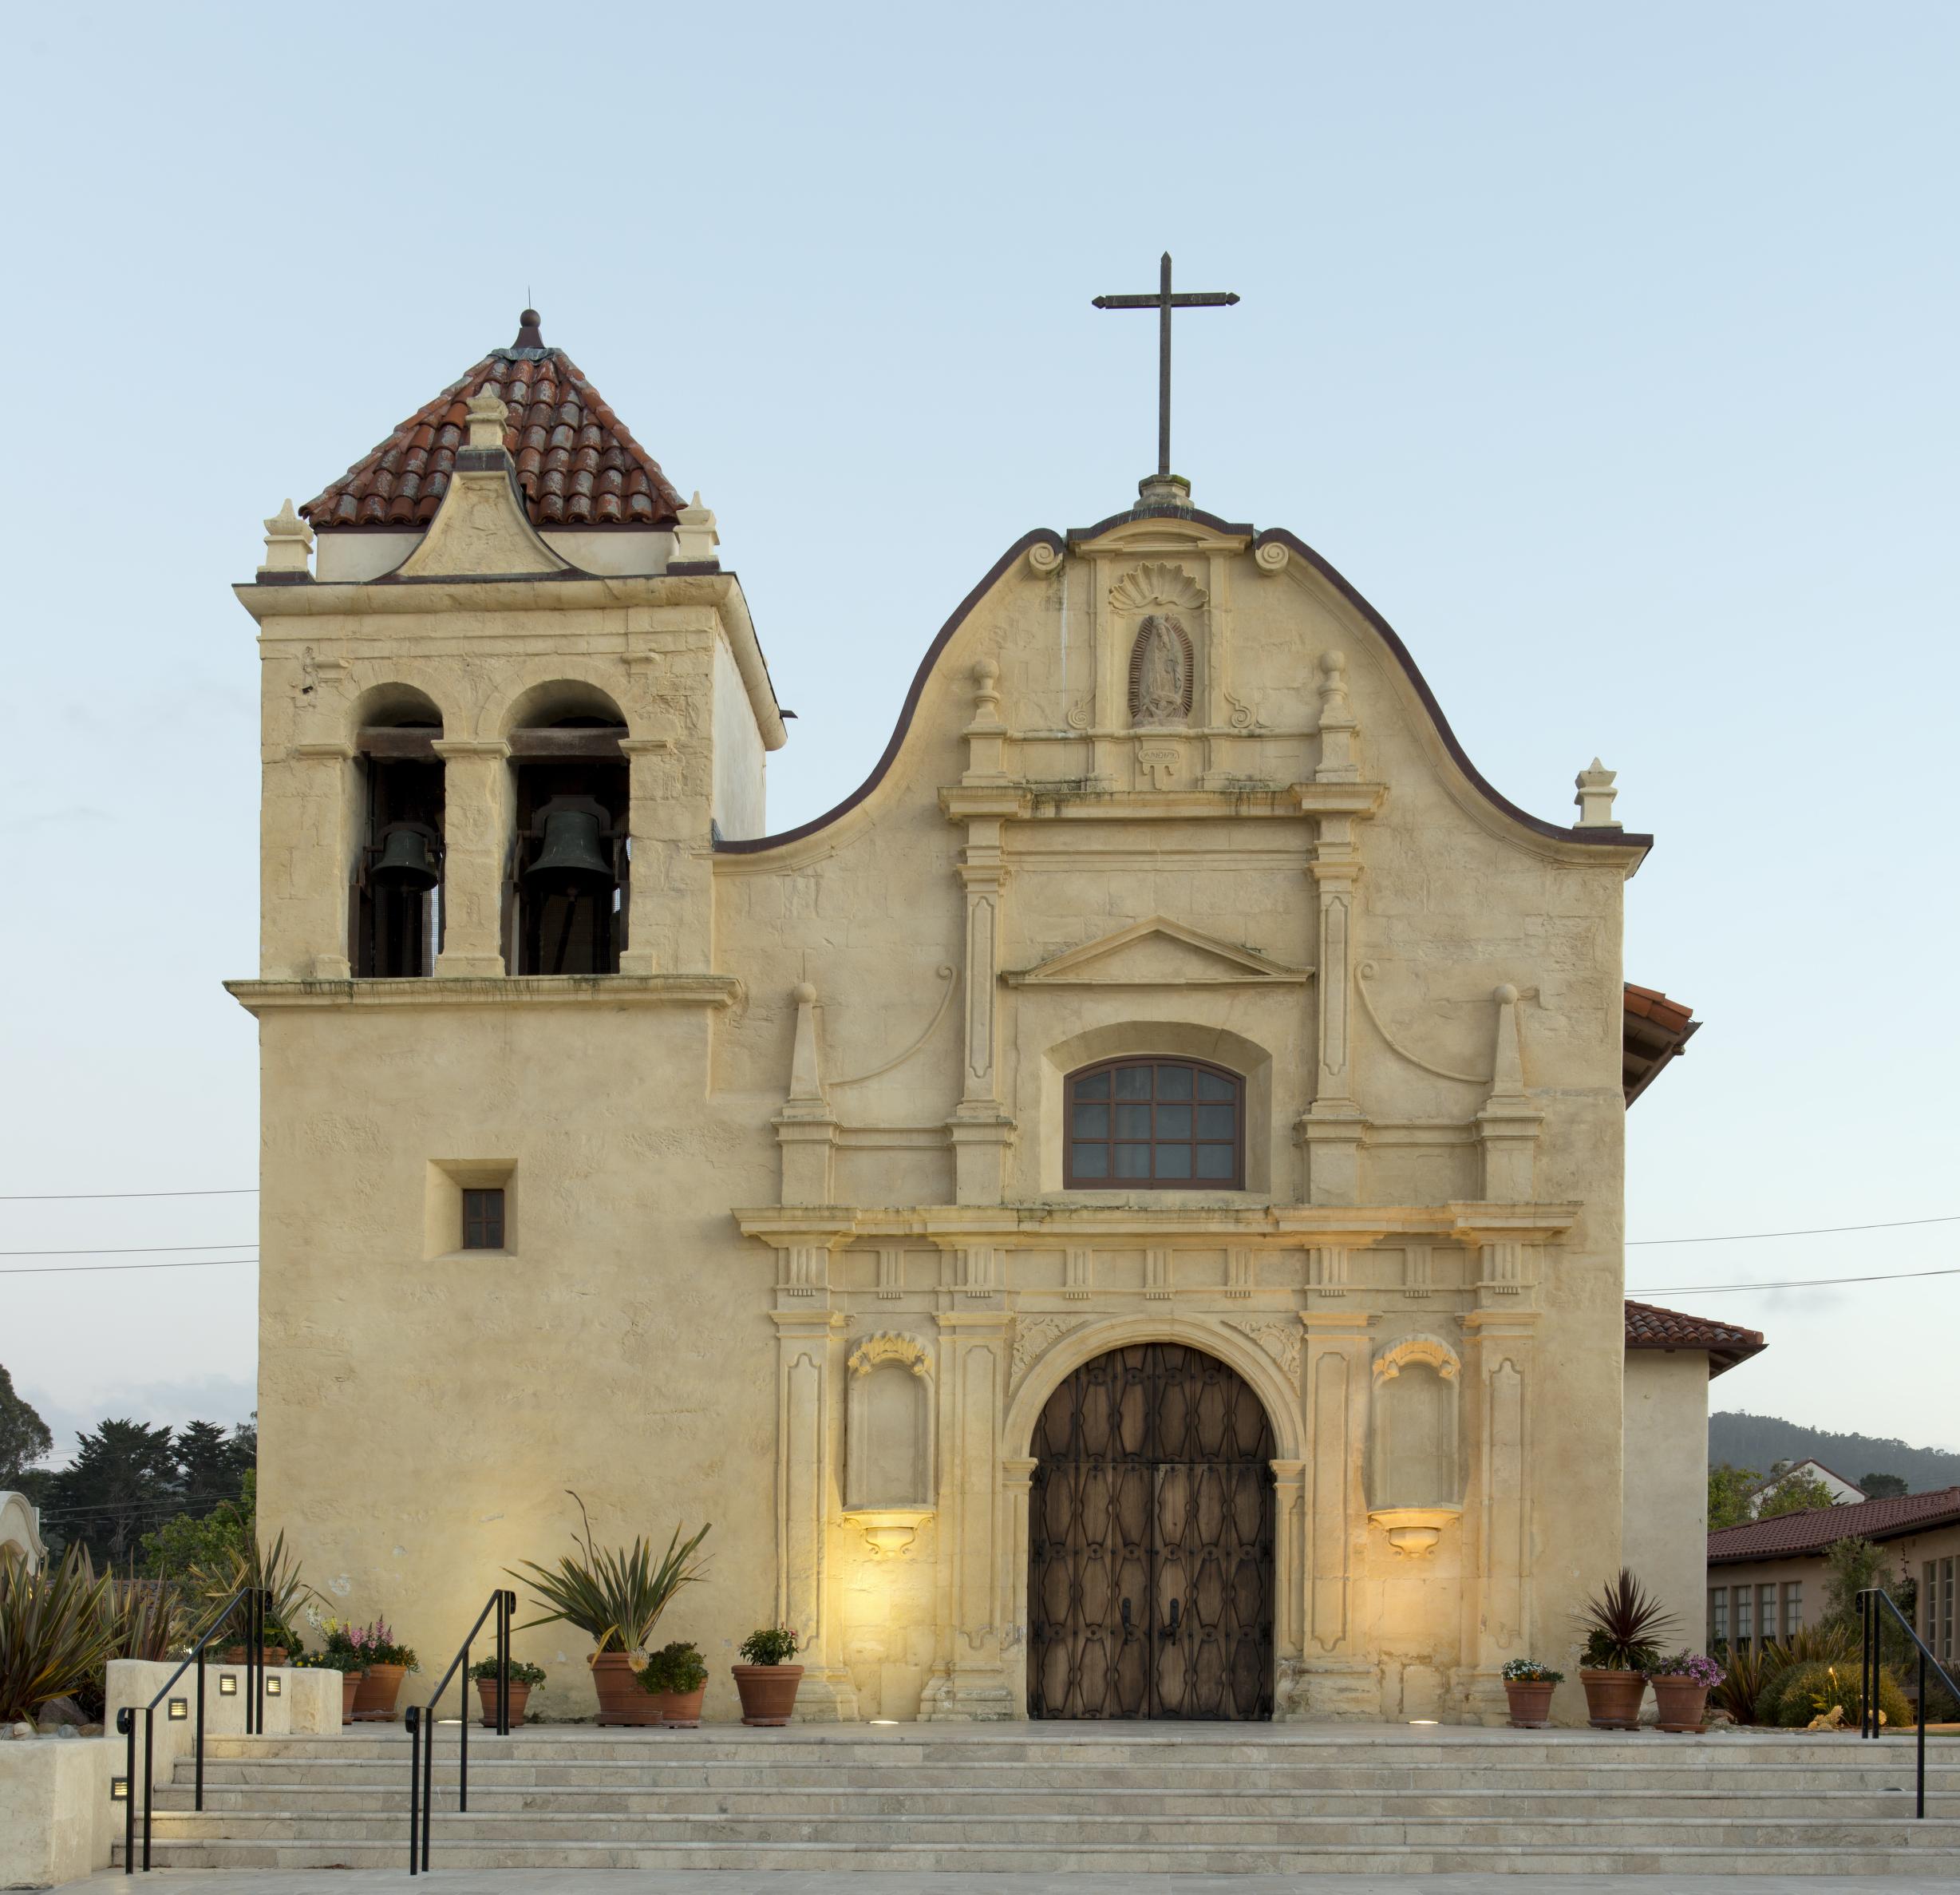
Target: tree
1882, 1487
1729, 1492
123, 1480
1795, 1493
1851, 1567
206, 1542
210, 1464
24, 1436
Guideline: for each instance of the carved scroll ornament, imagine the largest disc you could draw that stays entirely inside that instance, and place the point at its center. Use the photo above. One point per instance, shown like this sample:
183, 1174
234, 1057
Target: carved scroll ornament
908, 1351
1429, 1349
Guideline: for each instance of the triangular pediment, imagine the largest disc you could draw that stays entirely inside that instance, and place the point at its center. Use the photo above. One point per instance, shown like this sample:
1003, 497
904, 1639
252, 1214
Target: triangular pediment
1158, 953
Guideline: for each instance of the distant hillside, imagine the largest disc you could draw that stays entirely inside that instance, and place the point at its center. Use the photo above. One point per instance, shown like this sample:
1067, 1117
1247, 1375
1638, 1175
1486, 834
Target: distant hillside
1757, 1440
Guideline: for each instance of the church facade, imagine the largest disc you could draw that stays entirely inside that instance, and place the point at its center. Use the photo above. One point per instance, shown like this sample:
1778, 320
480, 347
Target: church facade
1121, 1217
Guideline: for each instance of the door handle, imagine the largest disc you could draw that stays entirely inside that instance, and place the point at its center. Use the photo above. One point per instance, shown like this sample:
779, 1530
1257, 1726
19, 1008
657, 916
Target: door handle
1129, 1630
1171, 1628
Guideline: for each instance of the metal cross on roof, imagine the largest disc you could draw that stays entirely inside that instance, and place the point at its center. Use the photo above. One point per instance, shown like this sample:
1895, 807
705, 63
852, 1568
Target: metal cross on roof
1164, 303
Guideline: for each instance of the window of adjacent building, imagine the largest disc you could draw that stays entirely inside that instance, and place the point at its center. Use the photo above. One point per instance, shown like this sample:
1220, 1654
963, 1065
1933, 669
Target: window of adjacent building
1766, 1611
483, 1220
1162, 1125
1792, 1606
1937, 1581
1718, 1615
1745, 1630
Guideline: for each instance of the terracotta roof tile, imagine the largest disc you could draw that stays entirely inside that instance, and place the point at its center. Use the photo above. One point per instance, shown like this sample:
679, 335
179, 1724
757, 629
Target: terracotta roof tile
1820, 1527
1650, 1328
1654, 1031
576, 462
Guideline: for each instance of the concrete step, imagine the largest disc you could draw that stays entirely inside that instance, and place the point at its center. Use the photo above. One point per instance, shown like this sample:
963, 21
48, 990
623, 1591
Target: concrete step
1644, 1856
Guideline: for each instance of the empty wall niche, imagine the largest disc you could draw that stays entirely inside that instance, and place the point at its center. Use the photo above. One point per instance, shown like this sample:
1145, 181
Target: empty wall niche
888, 1448
1414, 1485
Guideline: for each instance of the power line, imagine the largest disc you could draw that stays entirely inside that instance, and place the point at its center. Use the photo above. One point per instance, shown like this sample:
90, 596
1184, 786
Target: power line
131, 1249
1795, 1282
76, 1196
1828, 1230
206, 1262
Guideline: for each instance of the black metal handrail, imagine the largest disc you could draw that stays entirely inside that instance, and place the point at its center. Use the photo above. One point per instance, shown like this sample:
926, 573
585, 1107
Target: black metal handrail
254, 1599
421, 1722
1868, 1721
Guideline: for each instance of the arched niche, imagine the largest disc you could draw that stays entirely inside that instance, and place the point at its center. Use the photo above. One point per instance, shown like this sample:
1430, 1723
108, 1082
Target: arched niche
888, 1456
561, 701
1413, 1458
398, 820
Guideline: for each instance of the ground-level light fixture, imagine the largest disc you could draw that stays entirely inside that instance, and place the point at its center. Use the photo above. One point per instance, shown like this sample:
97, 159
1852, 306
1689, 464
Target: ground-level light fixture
179, 1710
272, 1686
1425, 1720
227, 1685
119, 1789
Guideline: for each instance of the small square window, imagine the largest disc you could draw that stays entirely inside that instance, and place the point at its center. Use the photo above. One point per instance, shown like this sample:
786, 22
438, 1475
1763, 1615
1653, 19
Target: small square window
483, 1220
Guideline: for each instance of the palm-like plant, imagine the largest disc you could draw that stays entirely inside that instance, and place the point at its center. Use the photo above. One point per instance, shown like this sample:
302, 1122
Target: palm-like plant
615, 1597
57, 1633
1622, 1627
272, 1570
149, 1619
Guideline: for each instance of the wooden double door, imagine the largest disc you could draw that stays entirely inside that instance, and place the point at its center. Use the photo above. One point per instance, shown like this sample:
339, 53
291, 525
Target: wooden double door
1150, 1542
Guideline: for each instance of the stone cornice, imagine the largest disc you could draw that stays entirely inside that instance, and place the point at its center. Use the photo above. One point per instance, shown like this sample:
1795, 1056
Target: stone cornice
259, 997
1020, 1227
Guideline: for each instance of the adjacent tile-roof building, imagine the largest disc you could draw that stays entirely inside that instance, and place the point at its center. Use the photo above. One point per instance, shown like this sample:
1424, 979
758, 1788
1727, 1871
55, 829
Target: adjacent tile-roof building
576, 462
1650, 1328
1789, 1535
1656, 1030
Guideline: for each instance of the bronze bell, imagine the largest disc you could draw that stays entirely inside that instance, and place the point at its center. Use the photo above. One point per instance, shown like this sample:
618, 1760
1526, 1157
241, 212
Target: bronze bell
571, 853
404, 862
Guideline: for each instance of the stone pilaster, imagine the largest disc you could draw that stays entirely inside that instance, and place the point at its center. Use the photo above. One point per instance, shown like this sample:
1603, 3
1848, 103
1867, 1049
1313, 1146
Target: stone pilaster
305, 897
1338, 1678
1290, 1694
477, 831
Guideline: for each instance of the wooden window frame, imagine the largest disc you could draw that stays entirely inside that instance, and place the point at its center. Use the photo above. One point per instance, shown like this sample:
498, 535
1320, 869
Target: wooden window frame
480, 1223
1072, 1181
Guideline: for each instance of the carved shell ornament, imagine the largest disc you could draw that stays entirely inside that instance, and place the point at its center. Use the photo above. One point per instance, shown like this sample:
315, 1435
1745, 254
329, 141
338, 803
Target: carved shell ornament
1156, 583
906, 1350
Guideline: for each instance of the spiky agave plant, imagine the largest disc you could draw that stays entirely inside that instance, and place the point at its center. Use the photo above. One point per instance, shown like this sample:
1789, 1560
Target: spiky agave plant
615, 1597
1623, 1625
151, 1618
57, 1633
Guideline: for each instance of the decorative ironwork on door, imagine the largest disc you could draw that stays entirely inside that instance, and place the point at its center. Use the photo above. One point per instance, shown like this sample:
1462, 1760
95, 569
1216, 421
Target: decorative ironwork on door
1150, 1537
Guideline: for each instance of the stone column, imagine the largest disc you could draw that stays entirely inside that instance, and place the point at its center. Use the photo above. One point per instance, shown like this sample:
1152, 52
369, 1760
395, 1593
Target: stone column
970, 1681
1339, 1677
308, 866
1499, 1344
1289, 1594
1016, 1492
809, 1457
476, 841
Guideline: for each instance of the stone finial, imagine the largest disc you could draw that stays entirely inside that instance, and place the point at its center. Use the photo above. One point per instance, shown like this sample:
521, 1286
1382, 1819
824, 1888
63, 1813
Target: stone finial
1594, 800
695, 536
1339, 762
487, 417
289, 542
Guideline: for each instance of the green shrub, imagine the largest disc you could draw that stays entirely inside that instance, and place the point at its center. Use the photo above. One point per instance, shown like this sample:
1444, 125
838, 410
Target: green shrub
677, 1668
1802, 1692
521, 1672
770, 1644
342, 1660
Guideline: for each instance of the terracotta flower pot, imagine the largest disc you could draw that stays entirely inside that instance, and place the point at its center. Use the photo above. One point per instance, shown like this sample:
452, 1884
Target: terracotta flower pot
487, 1691
1613, 1698
1531, 1705
1681, 1702
769, 1691
350, 1689
678, 1710
621, 1700
270, 1655
374, 1703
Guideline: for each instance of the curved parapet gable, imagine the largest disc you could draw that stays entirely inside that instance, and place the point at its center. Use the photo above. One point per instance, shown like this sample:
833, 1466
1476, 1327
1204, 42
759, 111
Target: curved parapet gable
1272, 551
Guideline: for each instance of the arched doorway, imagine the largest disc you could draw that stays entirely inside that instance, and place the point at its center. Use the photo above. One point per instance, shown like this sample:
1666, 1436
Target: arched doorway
1150, 1542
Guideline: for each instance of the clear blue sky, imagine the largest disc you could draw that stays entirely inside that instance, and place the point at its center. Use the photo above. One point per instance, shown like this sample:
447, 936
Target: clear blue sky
1609, 351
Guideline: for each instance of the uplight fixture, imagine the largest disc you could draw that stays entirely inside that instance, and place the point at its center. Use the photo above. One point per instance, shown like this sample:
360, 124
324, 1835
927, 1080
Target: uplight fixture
227, 1685
1425, 1720
179, 1710
272, 1685
119, 1789
884, 1720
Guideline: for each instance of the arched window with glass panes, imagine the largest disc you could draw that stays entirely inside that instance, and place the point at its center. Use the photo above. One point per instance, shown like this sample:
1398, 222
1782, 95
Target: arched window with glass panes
1144, 1124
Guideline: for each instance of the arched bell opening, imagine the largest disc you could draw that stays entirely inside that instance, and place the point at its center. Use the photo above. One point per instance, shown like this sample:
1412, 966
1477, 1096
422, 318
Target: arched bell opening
566, 894
1152, 1541
397, 897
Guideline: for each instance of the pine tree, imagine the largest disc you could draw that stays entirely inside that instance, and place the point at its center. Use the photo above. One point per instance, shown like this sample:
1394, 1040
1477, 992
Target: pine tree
24, 1436
123, 1480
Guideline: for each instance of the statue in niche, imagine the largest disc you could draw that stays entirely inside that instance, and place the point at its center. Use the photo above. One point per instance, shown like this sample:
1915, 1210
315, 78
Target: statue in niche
1160, 670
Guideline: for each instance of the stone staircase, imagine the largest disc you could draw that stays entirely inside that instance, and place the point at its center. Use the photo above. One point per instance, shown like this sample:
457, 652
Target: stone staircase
1057, 1799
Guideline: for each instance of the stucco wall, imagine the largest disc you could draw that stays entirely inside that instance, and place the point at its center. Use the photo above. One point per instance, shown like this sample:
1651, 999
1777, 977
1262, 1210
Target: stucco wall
1665, 1491
739, 758
1906, 1555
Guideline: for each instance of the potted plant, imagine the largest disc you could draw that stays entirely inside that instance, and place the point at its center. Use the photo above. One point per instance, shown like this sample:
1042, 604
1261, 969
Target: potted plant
344, 1661
768, 1682
385, 1663
1680, 1688
271, 1570
616, 1599
522, 1677
677, 1677
1620, 1624
1528, 1686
